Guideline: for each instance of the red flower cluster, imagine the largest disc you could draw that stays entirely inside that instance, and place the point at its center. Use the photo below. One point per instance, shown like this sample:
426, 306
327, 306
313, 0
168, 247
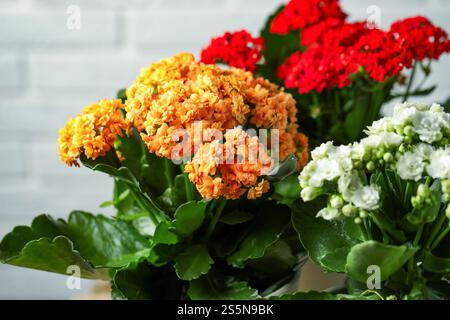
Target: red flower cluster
238, 49
299, 14
380, 54
422, 39
332, 32
317, 69
336, 49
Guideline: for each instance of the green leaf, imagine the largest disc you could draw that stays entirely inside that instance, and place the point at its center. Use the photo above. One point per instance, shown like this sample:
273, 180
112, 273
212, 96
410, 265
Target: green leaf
99, 240
163, 234
388, 258
122, 94
216, 286
287, 190
57, 256
189, 217
267, 227
106, 204
164, 244
157, 172
355, 121
236, 217
193, 262
327, 242
226, 238
277, 47
278, 259
143, 282
436, 264
284, 169
314, 295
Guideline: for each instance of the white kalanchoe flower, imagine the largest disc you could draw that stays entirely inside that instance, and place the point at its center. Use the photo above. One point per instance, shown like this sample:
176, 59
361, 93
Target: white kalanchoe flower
348, 184
328, 213
326, 170
428, 125
322, 151
382, 125
410, 166
403, 114
439, 167
343, 155
367, 197
424, 150
391, 139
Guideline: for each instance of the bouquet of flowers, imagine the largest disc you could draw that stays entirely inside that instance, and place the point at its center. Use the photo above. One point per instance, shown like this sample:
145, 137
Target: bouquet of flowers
214, 197
339, 72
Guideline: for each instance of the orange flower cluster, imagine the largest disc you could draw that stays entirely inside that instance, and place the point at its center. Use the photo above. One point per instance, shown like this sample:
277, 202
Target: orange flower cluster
93, 132
175, 93
179, 95
230, 168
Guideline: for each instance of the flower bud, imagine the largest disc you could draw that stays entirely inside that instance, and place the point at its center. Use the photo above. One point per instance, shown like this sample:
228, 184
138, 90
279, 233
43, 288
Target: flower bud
348, 210
447, 212
370, 166
358, 220
445, 186
363, 214
415, 201
309, 193
423, 190
408, 131
336, 202
388, 157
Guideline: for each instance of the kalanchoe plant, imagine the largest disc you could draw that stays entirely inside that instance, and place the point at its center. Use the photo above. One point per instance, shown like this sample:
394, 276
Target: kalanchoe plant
195, 217
383, 202
340, 73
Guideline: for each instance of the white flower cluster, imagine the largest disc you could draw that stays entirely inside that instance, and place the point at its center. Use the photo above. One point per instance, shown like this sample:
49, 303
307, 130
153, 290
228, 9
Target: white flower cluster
414, 142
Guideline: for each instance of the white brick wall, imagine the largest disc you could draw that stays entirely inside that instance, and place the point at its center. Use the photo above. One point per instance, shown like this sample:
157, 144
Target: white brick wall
48, 73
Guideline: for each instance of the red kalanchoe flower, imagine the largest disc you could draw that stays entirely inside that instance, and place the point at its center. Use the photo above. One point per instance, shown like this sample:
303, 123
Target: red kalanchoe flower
421, 37
333, 32
298, 14
237, 49
380, 54
317, 69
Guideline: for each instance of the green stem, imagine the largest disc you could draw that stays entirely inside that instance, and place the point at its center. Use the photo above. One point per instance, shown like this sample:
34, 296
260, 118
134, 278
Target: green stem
418, 235
435, 231
364, 231
188, 188
410, 82
367, 228
406, 198
168, 172
440, 237
215, 219
147, 206
389, 227
337, 103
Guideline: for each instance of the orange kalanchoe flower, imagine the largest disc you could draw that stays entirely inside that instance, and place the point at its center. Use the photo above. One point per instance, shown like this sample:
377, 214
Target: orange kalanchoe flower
231, 168
93, 132
175, 93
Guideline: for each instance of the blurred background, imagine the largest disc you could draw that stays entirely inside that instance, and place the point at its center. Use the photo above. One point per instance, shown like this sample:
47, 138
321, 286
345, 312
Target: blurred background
48, 72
